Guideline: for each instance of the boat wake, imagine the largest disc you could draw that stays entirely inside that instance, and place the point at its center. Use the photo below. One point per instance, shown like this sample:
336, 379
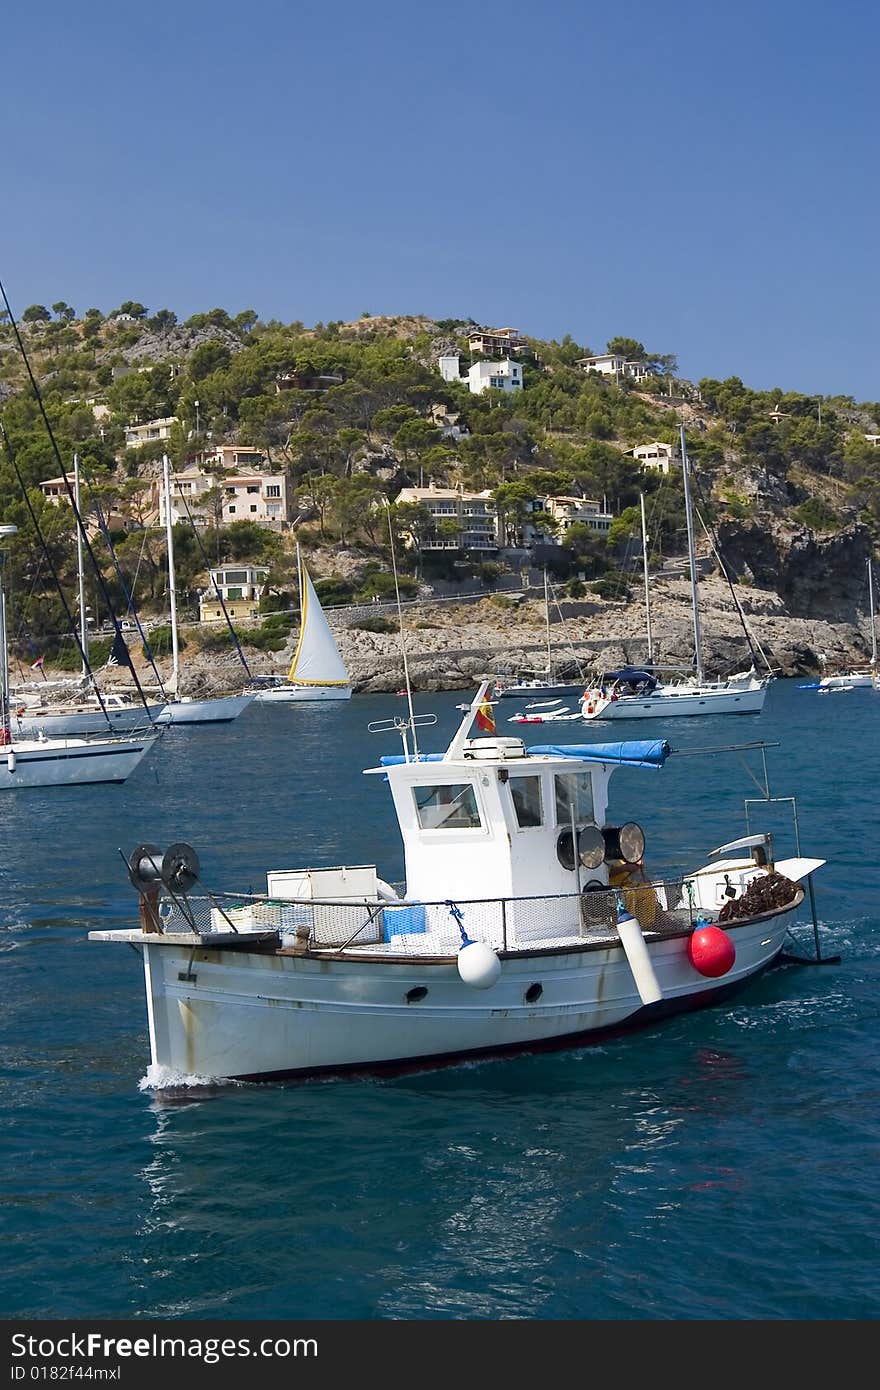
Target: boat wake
170, 1084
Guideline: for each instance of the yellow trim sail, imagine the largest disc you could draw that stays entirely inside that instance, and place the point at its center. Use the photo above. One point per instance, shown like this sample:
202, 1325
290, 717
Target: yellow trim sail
317, 660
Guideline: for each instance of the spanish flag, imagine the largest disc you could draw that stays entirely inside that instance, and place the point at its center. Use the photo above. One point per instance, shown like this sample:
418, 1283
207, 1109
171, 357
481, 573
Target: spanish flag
486, 717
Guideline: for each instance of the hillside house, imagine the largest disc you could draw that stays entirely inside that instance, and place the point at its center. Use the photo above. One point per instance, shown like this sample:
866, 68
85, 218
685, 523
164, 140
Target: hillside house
226, 457
307, 381
500, 376
55, 492
259, 497
655, 457
188, 488
471, 519
149, 432
495, 342
447, 422
614, 364
241, 586
567, 512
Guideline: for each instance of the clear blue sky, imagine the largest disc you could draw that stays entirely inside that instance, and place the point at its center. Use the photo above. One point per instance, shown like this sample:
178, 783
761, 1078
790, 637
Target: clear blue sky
700, 177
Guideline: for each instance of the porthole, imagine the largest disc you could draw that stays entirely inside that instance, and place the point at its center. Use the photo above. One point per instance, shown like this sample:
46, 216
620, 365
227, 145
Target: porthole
533, 993
416, 994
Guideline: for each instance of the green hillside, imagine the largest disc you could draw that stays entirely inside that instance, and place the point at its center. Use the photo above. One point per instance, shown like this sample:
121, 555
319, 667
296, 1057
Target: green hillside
352, 413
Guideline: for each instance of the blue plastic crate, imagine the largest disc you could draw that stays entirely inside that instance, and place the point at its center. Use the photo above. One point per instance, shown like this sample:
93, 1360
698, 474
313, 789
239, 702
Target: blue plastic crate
403, 920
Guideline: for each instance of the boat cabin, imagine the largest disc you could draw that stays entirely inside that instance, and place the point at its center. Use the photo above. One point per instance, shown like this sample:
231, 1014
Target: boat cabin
492, 820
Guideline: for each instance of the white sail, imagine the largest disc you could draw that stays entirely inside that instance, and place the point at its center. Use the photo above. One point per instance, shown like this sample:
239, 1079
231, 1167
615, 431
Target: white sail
316, 660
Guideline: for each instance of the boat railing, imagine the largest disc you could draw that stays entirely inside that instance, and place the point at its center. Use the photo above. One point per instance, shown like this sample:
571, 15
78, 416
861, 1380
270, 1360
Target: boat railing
419, 928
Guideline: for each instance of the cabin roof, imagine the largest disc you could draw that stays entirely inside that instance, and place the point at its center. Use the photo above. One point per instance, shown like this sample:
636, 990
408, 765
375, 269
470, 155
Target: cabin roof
631, 753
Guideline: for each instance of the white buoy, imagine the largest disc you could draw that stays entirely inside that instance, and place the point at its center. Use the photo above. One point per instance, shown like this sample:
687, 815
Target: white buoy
633, 943
10, 760
478, 965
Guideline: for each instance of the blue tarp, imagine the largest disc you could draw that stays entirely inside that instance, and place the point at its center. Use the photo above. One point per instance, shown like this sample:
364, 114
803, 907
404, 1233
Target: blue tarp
635, 676
649, 752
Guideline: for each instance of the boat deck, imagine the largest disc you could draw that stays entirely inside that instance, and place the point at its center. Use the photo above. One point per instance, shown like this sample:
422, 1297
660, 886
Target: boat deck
379, 929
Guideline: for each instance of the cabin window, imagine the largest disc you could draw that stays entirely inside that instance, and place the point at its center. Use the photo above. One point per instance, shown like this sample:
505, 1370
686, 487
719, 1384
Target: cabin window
526, 793
452, 806
574, 796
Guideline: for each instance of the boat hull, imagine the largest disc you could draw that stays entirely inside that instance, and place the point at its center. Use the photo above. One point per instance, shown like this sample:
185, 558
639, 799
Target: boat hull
79, 723
282, 695
238, 1014
852, 682
669, 704
522, 692
219, 711
70, 762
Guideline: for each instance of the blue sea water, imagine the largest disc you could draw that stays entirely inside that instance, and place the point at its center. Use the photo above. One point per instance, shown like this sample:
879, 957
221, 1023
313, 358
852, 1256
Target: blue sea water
719, 1165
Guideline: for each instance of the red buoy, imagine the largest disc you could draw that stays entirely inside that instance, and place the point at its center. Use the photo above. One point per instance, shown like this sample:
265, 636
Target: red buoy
711, 951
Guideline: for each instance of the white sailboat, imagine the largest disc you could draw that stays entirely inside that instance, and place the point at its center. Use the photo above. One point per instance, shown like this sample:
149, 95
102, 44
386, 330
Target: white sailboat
637, 693
858, 678
55, 762
545, 684
317, 671
184, 709
47, 711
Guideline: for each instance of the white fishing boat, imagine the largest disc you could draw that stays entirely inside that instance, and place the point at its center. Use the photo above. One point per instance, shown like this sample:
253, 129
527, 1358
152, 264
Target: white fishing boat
55, 762
187, 709
641, 693
317, 671
526, 921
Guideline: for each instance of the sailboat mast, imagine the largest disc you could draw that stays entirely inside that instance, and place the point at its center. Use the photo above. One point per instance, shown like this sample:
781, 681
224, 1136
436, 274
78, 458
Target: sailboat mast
647, 593
6, 532
172, 588
547, 620
871, 611
83, 628
698, 645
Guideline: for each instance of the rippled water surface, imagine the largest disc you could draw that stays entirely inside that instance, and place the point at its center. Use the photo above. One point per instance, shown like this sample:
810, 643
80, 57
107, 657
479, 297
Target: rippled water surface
718, 1165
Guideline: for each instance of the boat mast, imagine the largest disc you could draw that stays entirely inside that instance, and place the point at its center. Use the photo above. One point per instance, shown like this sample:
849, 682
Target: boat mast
83, 632
172, 590
871, 611
647, 594
7, 531
698, 646
547, 620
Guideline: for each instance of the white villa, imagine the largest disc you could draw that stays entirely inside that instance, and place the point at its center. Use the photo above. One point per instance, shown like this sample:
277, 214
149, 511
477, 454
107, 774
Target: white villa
655, 456
149, 432
502, 376
241, 587
188, 487
473, 522
473, 517
248, 494
614, 364
566, 512
259, 497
